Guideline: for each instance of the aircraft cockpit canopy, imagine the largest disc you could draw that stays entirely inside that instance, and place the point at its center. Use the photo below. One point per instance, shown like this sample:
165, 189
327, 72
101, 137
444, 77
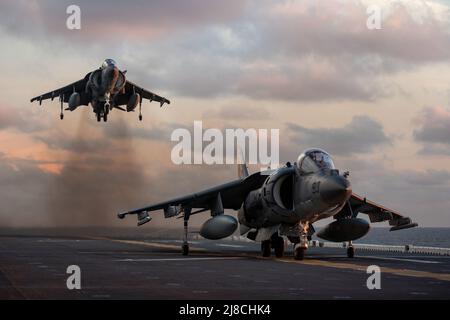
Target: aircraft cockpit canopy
314, 160
108, 62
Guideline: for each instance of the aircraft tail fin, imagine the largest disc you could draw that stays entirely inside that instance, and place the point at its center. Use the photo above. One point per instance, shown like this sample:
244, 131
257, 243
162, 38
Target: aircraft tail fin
242, 165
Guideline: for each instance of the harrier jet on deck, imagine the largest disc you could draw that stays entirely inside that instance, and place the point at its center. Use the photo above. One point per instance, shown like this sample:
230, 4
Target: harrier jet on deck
282, 202
105, 88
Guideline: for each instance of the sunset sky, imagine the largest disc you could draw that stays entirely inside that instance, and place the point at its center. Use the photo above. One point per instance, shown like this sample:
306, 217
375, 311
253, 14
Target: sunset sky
377, 100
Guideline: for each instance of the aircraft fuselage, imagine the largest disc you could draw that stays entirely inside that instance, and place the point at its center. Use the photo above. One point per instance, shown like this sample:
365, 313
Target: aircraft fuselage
289, 197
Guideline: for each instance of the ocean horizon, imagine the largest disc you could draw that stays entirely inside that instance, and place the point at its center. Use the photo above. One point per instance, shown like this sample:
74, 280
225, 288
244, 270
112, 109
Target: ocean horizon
427, 237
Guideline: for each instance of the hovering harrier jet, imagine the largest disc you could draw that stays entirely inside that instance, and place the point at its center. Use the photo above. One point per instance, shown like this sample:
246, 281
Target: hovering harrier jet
282, 203
105, 89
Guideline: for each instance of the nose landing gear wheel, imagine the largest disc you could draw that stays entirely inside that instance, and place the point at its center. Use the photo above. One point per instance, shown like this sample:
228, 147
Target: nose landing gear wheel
99, 117
105, 117
140, 117
350, 252
107, 107
61, 116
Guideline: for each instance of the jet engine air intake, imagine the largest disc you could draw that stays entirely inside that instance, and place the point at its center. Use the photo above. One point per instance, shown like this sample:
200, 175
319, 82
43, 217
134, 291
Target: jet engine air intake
283, 192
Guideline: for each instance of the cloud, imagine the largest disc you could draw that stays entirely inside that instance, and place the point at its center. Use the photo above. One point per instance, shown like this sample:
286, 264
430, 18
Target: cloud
24, 121
305, 51
338, 28
434, 130
237, 113
119, 131
361, 135
9, 118
312, 79
138, 20
266, 50
59, 140
276, 55
421, 195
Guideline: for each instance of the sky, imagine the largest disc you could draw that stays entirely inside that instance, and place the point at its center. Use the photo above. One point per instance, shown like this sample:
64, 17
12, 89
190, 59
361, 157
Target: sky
377, 100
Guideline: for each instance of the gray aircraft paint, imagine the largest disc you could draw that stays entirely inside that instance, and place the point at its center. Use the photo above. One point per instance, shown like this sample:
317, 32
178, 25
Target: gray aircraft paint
283, 202
105, 89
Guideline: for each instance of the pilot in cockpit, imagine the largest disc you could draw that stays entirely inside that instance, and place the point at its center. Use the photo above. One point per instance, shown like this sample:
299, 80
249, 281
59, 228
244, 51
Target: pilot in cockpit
315, 159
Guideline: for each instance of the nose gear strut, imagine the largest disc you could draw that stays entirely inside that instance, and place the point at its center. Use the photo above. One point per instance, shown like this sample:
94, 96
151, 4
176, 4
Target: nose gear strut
302, 246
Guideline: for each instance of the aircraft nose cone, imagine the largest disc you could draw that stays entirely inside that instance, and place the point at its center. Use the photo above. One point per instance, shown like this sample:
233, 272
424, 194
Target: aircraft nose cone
335, 190
111, 70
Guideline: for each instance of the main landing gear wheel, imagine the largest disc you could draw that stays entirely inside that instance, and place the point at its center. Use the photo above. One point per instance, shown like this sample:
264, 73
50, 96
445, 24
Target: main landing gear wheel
185, 249
299, 253
265, 248
278, 245
350, 252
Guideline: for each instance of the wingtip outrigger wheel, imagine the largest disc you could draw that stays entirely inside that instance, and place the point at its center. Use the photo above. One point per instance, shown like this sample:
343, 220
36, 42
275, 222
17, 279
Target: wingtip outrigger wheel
140, 108
121, 215
61, 114
185, 249
350, 250
185, 246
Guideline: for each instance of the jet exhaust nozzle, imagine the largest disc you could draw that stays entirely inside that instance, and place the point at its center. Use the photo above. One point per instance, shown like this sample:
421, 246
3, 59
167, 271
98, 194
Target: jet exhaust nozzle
219, 227
344, 230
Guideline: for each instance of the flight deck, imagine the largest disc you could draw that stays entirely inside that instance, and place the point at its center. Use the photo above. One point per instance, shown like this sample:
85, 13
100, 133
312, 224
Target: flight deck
125, 265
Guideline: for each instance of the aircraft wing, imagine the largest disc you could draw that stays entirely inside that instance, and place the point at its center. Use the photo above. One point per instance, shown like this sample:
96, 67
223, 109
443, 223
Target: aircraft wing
232, 195
130, 87
379, 213
64, 92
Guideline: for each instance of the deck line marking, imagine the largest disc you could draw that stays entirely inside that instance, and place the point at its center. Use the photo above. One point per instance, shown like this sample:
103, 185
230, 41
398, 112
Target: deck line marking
313, 262
178, 259
148, 244
400, 272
